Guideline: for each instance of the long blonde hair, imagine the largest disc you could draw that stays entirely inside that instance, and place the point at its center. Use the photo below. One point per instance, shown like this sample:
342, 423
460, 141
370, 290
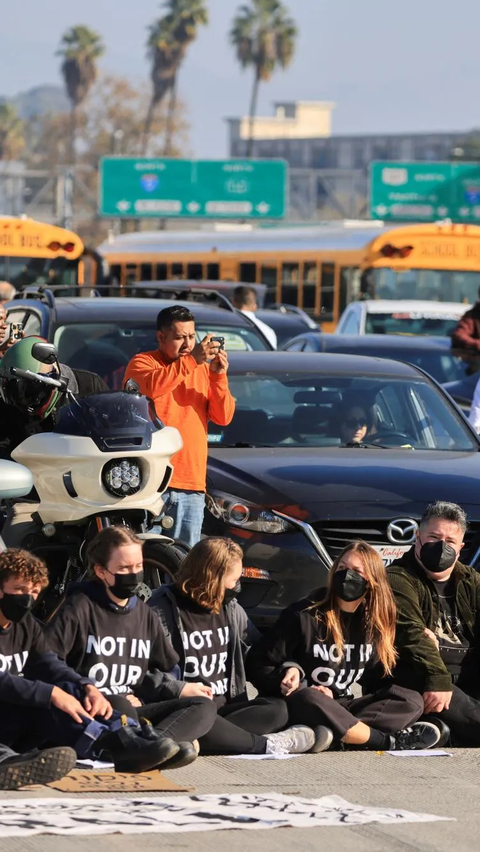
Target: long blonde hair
202, 572
380, 612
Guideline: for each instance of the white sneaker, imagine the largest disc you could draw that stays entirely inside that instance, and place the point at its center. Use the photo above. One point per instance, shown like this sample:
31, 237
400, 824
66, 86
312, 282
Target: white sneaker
295, 740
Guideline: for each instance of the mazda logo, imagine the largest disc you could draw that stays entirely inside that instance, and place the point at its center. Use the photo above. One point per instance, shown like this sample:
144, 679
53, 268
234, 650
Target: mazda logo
402, 531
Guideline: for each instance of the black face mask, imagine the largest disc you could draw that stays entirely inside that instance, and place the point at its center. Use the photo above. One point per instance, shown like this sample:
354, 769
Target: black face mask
230, 594
349, 585
126, 585
15, 607
437, 556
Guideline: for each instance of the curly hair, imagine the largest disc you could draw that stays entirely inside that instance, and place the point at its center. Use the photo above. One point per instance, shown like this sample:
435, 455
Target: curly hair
23, 565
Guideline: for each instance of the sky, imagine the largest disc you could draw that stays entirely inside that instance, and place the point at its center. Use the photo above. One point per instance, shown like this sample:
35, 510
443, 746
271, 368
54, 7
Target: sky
408, 66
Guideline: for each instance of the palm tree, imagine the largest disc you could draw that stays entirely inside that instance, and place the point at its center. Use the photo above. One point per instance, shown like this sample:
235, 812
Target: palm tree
264, 37
168, 40
11, 132
80, 48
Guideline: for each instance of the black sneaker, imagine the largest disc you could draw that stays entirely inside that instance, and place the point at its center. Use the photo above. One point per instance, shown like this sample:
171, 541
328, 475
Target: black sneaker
323, 739
442, 727
36, 767
419, 735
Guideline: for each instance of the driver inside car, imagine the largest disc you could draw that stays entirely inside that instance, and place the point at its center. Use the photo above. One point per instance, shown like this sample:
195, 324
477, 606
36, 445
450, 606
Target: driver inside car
27, 406
354, 422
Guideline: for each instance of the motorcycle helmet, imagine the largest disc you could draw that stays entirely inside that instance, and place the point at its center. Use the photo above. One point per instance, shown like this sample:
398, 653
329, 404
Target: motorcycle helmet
27, 395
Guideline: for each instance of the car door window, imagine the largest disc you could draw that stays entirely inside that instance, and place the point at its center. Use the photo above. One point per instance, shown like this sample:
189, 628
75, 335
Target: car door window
30, 320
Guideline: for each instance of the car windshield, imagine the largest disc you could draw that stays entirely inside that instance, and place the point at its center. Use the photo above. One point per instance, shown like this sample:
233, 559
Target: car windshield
438, 285
107, 347
411, 322
443, 366
330, 411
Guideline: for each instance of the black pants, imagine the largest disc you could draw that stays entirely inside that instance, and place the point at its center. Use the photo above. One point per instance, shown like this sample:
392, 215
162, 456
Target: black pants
182, 719
240, 728
388, 710
463, 718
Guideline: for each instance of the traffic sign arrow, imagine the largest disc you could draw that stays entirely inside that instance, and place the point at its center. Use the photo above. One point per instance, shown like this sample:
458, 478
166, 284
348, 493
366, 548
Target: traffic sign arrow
263, 207
193, 207
123, 206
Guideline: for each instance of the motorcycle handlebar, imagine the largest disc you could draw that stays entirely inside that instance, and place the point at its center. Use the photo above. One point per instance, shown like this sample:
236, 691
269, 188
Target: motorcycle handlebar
39, 377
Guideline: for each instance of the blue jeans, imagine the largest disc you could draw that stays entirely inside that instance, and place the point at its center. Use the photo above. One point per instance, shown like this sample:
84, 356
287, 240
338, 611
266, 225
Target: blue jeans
186, 509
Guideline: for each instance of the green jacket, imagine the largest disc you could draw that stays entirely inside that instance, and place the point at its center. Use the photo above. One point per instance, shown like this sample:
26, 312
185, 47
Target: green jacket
420, 665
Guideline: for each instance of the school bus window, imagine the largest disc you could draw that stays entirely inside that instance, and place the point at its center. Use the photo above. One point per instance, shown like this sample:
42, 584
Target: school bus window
248, 273
268, 276
213, 272
146, 272
309, 285
176, 270
290, 276
195, 271
131, 273
328, 279
161, 272
347, 287
115, 273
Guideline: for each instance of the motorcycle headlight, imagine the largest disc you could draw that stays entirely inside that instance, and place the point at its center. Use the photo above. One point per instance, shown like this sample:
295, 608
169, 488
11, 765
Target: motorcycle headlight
122, 477
248, 516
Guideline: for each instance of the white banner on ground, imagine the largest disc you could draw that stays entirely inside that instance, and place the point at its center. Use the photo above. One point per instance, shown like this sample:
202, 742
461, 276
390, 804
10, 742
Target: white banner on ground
69, 816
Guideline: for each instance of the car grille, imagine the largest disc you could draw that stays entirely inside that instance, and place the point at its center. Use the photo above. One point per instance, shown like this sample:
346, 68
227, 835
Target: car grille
335, 535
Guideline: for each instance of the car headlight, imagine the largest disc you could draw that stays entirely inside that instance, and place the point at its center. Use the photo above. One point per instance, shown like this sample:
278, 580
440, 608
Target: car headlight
122, 477
248, 516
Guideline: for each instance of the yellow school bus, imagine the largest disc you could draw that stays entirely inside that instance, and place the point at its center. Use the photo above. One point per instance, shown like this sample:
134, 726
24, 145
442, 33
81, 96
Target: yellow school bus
38, 254
320, 268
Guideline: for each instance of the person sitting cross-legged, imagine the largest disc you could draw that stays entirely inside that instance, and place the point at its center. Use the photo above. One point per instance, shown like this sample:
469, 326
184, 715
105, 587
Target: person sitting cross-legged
321, 646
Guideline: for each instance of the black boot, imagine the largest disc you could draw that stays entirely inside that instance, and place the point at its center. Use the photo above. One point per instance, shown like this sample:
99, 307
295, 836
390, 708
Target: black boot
186, 754
36, 767
132, 751
442, 727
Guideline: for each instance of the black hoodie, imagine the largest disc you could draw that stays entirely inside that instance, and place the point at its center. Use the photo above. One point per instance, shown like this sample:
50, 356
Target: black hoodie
115, 646
28, 671
298, 639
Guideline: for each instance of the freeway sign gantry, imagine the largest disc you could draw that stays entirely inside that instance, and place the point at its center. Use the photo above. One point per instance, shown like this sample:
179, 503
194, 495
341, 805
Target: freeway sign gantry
425, 192
171, 188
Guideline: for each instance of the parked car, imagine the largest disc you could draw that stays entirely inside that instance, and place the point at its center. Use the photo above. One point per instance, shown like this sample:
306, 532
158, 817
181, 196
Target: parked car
402, 316
286, 320
432, 354
104, 334
282, 483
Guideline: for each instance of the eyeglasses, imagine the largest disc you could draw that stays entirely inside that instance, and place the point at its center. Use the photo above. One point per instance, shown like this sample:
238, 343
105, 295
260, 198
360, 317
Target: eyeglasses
353, 422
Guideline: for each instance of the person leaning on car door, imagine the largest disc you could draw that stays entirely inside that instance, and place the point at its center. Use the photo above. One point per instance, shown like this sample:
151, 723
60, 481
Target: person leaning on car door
434, 590
188, 384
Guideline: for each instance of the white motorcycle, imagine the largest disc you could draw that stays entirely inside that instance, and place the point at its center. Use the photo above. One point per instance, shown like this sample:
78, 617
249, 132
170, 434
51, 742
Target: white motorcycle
106, 462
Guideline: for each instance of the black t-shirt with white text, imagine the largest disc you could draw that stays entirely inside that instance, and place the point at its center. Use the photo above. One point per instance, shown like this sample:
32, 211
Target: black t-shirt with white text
206, 642
114, 646
299, 638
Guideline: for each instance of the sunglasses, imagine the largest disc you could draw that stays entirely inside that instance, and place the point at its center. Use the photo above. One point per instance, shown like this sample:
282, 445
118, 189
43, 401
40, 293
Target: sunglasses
352, 422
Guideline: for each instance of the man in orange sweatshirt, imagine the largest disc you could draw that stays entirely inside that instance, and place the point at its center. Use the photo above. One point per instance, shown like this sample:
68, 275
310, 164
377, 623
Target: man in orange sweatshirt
188, 384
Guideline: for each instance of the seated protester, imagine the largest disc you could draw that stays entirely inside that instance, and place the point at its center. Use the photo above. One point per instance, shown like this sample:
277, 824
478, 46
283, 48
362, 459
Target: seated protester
105, 632
436, 593
322, 645
43, 700
40, 766
211, 634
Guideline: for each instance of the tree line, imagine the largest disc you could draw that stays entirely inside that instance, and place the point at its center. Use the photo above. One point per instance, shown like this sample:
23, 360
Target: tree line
109, 115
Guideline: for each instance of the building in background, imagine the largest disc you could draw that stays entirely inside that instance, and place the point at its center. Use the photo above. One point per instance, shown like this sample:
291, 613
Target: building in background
329, 173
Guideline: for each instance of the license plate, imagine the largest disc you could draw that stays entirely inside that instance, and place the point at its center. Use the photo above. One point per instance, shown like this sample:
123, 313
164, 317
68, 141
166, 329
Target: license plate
390, 552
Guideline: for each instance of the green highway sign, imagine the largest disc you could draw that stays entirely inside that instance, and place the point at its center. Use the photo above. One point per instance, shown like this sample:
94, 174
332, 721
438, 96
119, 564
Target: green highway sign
213, 189
425, 192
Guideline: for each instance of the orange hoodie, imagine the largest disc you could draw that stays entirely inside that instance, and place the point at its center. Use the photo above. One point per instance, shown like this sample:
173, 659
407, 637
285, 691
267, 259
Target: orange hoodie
186, 395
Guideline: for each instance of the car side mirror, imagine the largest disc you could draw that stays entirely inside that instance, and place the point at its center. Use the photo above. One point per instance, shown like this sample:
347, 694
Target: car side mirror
132, 387
45, 352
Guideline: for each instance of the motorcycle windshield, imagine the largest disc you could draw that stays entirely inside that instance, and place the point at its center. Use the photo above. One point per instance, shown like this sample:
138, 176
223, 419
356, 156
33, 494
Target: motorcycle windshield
113, 420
